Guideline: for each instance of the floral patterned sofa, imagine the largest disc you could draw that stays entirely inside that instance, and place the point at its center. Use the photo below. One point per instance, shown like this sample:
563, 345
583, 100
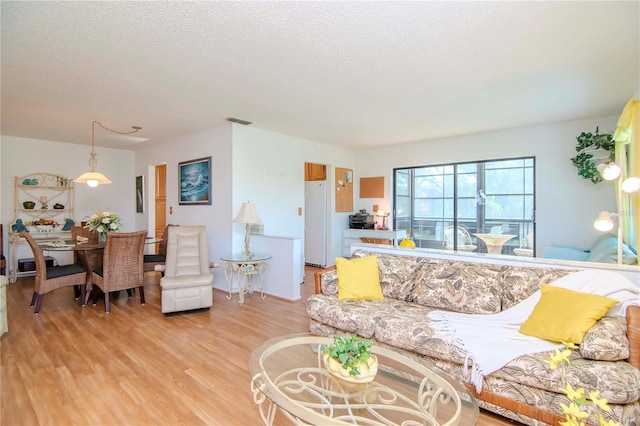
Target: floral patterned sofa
525, 389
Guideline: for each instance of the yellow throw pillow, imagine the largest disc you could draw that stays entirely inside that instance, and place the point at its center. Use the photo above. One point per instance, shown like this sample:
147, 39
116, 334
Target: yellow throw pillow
358, 278
565, 315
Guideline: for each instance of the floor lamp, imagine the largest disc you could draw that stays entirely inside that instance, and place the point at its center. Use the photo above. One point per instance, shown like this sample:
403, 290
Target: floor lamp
604, 222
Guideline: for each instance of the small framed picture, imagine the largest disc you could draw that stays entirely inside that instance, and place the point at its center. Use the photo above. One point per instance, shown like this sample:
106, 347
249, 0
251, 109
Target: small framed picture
139, 194
195, 182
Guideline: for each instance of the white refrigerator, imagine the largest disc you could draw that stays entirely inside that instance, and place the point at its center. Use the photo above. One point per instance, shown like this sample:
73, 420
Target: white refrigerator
315, 223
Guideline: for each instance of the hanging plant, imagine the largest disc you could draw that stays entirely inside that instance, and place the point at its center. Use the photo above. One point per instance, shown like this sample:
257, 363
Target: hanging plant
587, 143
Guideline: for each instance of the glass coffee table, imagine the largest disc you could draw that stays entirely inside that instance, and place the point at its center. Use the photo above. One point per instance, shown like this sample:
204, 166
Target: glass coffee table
288, 374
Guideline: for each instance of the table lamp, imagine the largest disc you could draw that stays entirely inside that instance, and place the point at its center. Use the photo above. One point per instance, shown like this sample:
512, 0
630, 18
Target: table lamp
248, 216
384, 216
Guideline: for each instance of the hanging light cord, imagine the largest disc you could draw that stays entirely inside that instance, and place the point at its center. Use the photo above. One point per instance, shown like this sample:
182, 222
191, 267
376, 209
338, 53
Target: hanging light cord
135, 128
93, 161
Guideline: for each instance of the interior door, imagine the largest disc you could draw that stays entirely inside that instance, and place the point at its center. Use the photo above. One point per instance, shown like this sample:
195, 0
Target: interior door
160, 200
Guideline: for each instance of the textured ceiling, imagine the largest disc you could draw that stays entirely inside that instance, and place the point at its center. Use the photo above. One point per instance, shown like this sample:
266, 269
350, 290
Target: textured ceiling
355, 74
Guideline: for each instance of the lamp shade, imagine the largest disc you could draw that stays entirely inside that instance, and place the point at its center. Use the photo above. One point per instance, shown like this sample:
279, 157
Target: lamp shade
248, 214
609, 171
92, 179
631, 184
604, 222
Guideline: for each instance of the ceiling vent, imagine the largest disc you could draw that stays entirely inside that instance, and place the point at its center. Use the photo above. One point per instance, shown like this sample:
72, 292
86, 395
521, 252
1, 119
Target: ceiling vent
237, 120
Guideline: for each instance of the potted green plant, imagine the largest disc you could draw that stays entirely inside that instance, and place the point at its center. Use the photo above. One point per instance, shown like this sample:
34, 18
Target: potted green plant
350, 358
588, 143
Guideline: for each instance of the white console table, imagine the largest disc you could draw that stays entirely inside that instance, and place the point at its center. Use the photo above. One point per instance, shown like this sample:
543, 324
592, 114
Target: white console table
350, 236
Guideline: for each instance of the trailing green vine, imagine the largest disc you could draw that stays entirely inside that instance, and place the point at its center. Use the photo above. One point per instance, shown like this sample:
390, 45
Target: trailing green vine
587, 167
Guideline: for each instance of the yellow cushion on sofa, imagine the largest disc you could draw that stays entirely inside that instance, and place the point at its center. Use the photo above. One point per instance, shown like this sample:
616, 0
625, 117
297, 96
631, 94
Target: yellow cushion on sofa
358, 278
565, 315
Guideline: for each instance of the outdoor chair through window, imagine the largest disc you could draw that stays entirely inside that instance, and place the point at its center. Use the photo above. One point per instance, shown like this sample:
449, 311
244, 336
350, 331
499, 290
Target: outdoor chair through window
465, 243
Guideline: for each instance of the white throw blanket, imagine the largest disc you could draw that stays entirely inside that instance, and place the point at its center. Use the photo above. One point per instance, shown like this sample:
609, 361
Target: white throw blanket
491, 341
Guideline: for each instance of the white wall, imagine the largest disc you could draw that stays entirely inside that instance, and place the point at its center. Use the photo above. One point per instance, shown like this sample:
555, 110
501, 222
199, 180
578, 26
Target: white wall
566, 204
217, 216
268, 169
22, 156
248, 164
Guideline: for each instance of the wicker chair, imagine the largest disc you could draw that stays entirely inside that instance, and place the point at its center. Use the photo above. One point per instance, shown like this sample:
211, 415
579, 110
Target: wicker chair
122, 267
81, 231
186, 284
81, 257
54, 277
152, 260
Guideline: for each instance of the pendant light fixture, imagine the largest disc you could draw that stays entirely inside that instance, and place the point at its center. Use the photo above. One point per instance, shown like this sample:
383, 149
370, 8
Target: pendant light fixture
93, 178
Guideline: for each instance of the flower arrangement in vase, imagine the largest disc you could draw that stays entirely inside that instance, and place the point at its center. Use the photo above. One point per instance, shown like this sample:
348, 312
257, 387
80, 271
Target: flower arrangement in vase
350, 359
104, 222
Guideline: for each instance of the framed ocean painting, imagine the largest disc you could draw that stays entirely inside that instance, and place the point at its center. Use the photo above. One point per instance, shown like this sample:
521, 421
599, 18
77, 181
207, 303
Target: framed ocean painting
195, 182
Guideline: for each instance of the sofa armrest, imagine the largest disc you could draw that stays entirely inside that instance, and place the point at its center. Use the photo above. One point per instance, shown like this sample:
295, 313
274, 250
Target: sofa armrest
318, 278
633, 334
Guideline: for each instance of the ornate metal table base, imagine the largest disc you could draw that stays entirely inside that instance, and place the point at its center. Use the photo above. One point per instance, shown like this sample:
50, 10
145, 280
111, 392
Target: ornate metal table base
244, 268
286, 376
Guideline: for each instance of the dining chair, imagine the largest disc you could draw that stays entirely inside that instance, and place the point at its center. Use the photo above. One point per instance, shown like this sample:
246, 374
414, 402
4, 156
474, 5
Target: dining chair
122, 267
152, 260
81, 231
186, 284
82, 257
52, 278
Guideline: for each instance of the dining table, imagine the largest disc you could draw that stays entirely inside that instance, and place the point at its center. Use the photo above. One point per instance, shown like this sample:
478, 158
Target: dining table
90, 254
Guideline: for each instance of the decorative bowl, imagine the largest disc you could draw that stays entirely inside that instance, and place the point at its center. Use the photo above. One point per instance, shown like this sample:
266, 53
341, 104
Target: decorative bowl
29, 205
368, 369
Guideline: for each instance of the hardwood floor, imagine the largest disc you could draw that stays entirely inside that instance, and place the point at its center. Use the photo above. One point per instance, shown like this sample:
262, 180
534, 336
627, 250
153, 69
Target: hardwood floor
79, 366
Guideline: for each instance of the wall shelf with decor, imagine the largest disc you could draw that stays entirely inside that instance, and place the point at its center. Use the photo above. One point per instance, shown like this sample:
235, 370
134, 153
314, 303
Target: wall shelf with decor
41, 205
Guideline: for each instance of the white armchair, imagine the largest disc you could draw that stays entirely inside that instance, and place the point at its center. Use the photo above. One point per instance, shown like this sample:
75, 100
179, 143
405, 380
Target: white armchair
186, 283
